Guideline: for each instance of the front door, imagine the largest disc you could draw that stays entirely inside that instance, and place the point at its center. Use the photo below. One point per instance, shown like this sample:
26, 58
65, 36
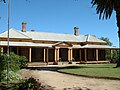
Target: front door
63, 54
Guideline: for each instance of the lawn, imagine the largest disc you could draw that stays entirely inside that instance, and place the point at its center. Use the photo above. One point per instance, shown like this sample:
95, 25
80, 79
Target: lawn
94, 70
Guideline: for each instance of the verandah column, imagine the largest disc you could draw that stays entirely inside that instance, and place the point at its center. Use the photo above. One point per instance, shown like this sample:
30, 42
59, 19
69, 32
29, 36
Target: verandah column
70, 54
30, 49
96, 55
46, 55
17, 50
56, 53
1, 50
85, 55
80, 55
111, 54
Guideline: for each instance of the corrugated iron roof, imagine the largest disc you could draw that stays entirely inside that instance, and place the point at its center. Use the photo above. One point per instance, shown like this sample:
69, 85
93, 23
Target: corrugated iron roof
50, 36
30, 44
91, 38
98, 46
4, 43
14, 34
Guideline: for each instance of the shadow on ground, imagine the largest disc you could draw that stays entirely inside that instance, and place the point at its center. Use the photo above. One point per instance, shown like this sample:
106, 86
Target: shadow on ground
56, 68
77, 88
43, 68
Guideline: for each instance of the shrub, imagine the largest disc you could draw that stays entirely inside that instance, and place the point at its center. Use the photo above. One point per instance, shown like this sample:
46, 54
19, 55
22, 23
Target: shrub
3, 65
23, 61
30, 84
15, 63
13, 76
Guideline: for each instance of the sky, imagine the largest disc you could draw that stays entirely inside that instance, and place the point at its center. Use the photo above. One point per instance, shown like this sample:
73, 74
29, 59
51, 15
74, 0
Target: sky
58, 16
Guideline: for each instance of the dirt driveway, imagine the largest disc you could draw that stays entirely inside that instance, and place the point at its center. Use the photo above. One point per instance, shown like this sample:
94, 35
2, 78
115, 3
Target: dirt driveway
69, 82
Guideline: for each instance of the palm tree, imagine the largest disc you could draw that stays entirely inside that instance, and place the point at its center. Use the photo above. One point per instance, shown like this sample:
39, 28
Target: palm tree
2, 0
105, 8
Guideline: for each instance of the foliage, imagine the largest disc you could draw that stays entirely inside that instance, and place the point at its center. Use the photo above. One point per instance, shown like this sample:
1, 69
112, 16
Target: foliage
23, 61
107, 40
3, 1
22, 84
13, 76
115, 56
30, 84
115, 52
15, 63
104, 7
108, 43
118, 63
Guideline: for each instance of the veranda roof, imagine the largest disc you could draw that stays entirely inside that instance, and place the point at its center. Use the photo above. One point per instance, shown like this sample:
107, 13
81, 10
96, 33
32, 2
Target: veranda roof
24, 44
99, 46
31, 44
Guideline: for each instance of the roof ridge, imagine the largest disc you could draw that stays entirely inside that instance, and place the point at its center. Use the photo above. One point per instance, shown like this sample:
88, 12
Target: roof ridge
48, 32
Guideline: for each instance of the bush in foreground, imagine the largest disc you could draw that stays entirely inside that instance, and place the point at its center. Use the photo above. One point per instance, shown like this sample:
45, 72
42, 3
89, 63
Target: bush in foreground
13, 76
30, 84
15, 63
27, 84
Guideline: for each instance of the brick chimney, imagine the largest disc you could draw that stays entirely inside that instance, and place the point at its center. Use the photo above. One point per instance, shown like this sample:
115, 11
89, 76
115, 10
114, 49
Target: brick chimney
76, 31
24, 26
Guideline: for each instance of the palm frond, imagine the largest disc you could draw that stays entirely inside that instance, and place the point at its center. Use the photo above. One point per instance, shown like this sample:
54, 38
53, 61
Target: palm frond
3, 1
104, 8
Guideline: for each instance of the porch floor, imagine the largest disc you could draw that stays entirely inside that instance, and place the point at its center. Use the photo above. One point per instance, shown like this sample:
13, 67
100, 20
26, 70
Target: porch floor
95, 62
36, 64
42, 64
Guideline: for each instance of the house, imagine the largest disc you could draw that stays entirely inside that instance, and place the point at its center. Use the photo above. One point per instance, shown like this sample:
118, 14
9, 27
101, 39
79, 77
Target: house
54, 47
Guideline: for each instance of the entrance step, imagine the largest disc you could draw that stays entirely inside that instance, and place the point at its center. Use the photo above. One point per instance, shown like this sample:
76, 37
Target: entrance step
62, 63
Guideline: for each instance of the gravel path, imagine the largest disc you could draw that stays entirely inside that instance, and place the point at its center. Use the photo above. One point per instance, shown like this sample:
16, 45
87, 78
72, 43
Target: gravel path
69, 82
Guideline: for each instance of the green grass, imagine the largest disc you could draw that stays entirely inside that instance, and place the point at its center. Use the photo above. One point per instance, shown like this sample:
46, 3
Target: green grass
94, 70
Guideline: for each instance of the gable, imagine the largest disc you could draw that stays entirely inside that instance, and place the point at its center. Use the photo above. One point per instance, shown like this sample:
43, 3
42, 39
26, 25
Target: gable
90, 38
14, 34
62, 44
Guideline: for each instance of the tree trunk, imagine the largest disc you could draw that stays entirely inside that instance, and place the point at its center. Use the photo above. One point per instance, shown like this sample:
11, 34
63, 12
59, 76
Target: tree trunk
117, 9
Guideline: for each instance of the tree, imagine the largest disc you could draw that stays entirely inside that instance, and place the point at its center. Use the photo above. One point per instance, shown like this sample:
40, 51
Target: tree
3, 0
115, 52
107, 40
108, 43
105, 8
